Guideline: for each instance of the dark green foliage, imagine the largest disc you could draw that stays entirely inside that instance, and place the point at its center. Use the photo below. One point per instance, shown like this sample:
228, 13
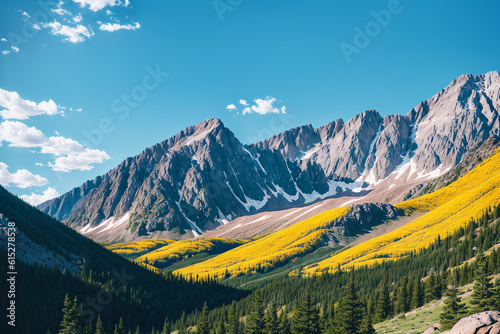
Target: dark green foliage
483, 292
70, 323
306, 318
271, 321
383, 308
255, 323
348, 316
203, 326
417, 298
453, 310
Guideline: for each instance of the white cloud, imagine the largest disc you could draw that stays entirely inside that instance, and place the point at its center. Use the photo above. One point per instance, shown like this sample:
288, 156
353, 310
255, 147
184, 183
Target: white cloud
108, 12
5, 52
36, 27
265, 106
24, 14
68, 153
96, 5
78, 18
60, 11
231, 107
15, 107
4, 40
244, 102
35, 199
72, 34
22, 178
39, 164
14, 48
117, 26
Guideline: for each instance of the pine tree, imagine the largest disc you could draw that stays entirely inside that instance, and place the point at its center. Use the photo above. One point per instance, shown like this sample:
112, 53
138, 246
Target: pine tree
98, 326
69, 324
271, 321
255, 324
495, 305
348, 317
306, 318
417, 299
183, 326
402, 303
121, 330
453, 310
482, 290
383, 305
166, 326
430, 289
234, 321
203, 325
284, 325
366, 326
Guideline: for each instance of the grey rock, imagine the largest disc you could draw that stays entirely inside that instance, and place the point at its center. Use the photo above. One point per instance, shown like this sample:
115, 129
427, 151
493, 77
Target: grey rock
484, 322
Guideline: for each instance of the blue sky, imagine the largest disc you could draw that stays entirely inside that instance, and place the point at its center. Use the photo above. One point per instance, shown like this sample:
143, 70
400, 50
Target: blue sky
87, 56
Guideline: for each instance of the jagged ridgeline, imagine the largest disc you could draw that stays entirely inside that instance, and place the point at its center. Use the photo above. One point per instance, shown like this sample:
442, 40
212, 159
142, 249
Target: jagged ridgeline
204, 176
53, 260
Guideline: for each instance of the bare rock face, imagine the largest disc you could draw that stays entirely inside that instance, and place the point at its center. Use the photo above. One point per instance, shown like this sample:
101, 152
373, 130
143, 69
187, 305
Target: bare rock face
479, 323
292, 143
364, 216
204, 176
451, 122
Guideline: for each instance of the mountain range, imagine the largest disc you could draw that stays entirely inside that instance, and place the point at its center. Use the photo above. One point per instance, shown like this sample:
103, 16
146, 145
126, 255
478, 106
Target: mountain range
204, 177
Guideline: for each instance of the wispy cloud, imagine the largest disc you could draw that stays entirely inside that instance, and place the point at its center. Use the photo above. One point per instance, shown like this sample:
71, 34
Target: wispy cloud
231, 107
22, 178
68, 153
35, 199
13, 106
118, 26
96, 5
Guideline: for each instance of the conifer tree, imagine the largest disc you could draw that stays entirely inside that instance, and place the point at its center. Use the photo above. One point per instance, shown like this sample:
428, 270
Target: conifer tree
482, 290
98, 326
183, 326
203, 325
402, 303
234, 321
69, 324
495, 305
166, 326
255, 323
366, 326
453, 310
383, 305
348, 316
306, 318
271, 321
430, 289
417, 299
284, 325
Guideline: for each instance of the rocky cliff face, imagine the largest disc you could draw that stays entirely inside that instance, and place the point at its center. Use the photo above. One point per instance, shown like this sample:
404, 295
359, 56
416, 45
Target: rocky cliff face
203, 176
